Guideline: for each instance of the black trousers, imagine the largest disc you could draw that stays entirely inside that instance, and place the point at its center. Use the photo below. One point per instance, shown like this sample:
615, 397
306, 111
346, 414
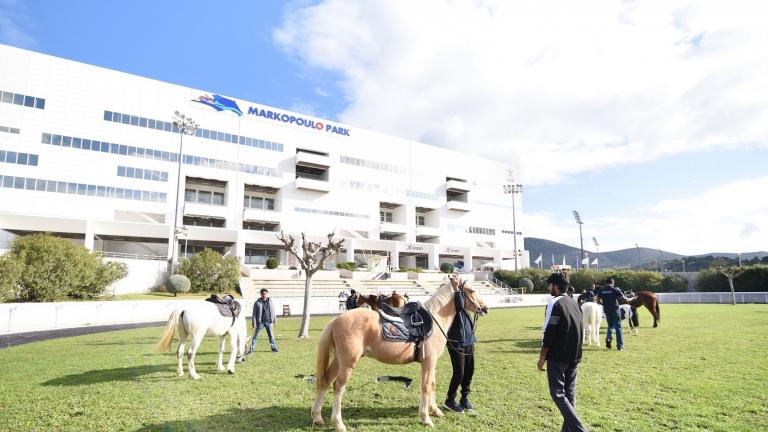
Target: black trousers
463, 364
562, 388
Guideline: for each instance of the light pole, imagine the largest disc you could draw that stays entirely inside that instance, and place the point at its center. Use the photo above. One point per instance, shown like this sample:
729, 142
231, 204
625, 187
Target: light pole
639, 267
513, 189
597, 247
581, 239
186, 126
739, 255
683, 261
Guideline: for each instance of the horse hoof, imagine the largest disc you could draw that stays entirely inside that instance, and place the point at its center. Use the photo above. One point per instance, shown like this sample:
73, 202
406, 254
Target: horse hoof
429, 423
318, 421
231, 372
195, 377
438, 413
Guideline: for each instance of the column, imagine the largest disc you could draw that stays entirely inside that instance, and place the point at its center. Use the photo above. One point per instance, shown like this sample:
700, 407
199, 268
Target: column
89, 235
468, 264
395, 254
433, 258
240, 247
350, 243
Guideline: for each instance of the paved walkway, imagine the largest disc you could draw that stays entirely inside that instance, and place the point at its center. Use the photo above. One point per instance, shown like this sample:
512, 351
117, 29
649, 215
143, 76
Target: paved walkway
14, 339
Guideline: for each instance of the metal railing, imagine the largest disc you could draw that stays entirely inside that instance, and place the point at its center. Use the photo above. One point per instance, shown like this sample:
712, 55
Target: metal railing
132, 256
501, 286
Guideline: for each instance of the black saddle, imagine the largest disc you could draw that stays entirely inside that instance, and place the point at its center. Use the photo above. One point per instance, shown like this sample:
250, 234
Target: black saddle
410, 323
227, 305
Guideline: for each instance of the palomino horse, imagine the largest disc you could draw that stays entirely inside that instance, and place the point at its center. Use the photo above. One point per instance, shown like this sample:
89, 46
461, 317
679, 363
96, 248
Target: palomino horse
647, 299
200, 320
592, 314
357, 333
373, 301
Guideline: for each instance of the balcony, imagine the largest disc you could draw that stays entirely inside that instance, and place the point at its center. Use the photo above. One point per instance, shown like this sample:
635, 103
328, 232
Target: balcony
393, 228
458, 206
427, 231
197, 209
312, 160
312, 184
457, 186
251, 214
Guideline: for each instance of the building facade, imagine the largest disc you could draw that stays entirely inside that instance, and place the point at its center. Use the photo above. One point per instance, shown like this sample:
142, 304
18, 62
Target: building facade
93, 154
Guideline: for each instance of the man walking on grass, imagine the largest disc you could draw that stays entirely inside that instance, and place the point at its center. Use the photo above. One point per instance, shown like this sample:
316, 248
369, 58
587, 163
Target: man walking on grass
561, 350
264, 316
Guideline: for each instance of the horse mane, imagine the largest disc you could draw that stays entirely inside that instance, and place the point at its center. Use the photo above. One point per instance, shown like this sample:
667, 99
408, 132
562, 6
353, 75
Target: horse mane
441, 297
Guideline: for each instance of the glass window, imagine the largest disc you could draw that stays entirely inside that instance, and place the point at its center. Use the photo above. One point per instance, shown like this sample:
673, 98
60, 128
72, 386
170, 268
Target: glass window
204, 197
101, 191
56, 140
218, 198
227, 137
190, 195
50, 186
174, 129
206, 133
2, 155
104, 147
46, 138
108, 115
137, 195
30, 184
116, 117
164, 176
198, 132
86, 144
242, 140
142, 122
270, 203
125, 119
121, 171
134, 121
166, 156
145, 196
61, 187
155, 197
39, 103
7, 97
130, 172
115, 148
76, 142
40, 185
18, 99
10, 157
163, 196
123, 149
82, 189
167, 126
91, 190
7, 181
140, 151
66, 141
32, 160
18, 182
247, 201
131, 151
151, 123
119, 192
22, 159
95, 146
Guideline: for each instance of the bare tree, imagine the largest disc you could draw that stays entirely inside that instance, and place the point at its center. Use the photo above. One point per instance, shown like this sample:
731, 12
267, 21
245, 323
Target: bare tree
312, 256
732, 273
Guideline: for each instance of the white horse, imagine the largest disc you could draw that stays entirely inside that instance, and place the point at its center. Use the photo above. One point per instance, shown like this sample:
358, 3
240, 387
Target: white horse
200, 320
626, 313
592, 314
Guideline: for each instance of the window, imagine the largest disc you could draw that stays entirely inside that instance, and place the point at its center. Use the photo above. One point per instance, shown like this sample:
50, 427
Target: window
419, 220
259, 256
385, 216
39, 103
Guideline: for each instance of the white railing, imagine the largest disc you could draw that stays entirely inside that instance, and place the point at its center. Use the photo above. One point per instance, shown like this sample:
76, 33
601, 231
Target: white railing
501, 286
713, 297
133, 256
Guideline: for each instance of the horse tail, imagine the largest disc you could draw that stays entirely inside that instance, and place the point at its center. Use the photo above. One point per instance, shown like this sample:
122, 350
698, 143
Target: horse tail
170, 330
324, 349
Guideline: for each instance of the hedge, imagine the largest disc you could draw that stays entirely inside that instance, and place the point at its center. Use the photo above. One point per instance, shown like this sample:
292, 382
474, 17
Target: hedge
211, 272
754, 278
581, 279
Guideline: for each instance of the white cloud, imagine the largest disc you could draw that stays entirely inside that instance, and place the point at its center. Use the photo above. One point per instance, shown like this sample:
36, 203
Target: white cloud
580, 84
729, 218
14, 25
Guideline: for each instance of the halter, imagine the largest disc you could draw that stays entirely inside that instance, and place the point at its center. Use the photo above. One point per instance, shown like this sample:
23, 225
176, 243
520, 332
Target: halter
462, 291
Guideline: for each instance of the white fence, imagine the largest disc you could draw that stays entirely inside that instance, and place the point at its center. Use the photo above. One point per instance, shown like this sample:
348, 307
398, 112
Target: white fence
25, 317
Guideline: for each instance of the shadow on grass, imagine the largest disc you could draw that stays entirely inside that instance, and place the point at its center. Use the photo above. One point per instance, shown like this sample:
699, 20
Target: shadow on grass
110, 375
276, 418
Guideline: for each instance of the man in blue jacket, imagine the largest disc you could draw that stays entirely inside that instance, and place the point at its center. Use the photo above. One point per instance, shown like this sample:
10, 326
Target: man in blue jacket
561, 350
264, 316
609, 296
461, 348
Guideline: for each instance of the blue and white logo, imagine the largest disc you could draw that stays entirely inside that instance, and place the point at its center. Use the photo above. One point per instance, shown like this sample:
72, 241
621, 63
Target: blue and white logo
219, 103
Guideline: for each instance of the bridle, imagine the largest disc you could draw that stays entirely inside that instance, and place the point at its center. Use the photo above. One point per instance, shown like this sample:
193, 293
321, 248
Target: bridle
461, 289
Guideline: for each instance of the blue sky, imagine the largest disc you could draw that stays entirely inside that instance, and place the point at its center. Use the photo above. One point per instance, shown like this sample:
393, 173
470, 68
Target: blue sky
646, 118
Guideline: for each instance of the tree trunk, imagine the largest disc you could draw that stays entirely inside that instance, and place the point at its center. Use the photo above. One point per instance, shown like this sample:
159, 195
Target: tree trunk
733, 290
304, 329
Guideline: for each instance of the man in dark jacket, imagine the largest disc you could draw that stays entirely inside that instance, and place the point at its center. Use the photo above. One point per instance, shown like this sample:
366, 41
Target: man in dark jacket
352, 300
264, 316
609, 296
561, 350
461, 348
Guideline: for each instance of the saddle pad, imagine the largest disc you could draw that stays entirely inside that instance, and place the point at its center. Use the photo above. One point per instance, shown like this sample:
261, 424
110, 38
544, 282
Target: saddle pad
410, 323
228, 307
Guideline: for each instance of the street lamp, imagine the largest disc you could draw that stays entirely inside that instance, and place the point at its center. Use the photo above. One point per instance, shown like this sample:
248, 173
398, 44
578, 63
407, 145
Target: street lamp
186, 126
513, 189
581, 239
683, 261
597, 246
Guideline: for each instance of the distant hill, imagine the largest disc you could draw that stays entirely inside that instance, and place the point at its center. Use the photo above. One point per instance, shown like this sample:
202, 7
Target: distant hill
625, 258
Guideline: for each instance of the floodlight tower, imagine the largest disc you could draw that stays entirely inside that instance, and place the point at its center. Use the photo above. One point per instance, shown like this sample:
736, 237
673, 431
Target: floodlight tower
581, 239
185, 126
597, 247
513, 189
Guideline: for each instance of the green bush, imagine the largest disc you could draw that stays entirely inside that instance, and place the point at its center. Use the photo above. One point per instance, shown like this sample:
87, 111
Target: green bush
179, 283
272, 263
54, 269
512, 278
525, 283
446, 267
674, 283
210, 272
411, 269
754, 278
349, 265
10, 275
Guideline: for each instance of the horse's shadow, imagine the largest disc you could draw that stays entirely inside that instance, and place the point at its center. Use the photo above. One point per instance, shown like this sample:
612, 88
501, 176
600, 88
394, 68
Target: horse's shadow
277, 418
110, 375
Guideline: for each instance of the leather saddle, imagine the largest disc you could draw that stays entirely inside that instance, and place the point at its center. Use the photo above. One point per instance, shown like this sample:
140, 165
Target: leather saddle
227, 305
410, 323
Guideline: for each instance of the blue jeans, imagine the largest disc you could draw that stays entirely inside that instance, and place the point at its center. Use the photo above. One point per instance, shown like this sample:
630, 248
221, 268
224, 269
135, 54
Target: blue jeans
268, 328
614, 322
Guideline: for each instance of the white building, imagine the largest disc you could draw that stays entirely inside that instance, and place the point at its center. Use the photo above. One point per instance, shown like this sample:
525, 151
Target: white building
91, 154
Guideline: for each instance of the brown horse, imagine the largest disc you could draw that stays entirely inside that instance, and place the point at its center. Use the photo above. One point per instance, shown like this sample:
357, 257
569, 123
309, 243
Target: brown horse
373, 301
647, 299
357, 333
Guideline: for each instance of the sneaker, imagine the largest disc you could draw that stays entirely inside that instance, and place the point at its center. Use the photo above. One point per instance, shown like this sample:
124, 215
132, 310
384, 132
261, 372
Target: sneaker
608, 343
619, 349
275, 350
453, 406
466, 405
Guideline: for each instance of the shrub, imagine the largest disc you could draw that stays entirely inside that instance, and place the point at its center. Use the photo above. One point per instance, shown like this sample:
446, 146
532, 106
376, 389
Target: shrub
512, 278
179, 283
411, 269
349, 265
55, 269
272, 263
754, 278
525, 283
10, 275
292, 268
674, 283
208, 271
446, 267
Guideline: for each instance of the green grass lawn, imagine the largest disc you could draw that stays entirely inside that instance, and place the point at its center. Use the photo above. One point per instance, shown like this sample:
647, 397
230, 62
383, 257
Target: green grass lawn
703, 369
